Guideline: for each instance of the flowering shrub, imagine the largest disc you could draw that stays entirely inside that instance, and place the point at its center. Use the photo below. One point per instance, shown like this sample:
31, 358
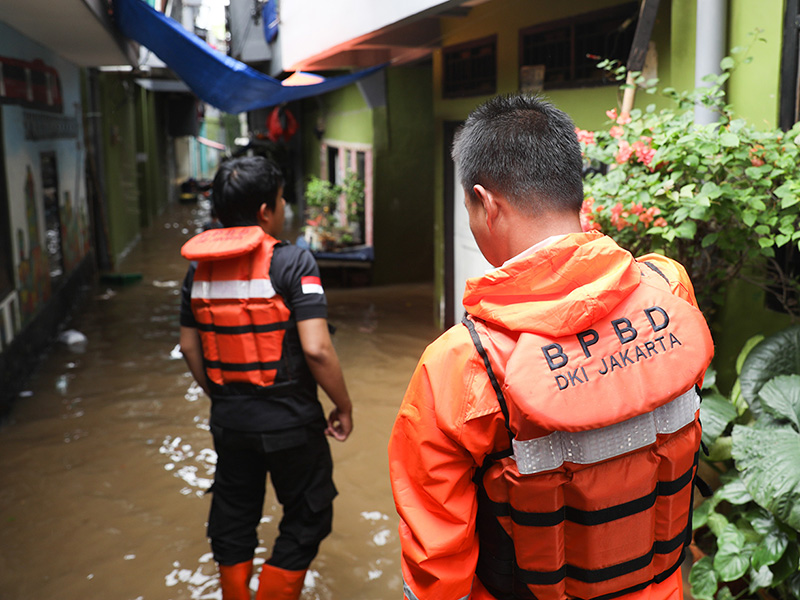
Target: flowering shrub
723, 199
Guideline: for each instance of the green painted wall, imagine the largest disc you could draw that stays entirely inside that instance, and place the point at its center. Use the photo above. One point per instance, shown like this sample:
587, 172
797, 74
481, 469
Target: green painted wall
123, 212
753, 88
152, 143
342, 115
401, 137
347, 116
230, 125
682, 44
404, 191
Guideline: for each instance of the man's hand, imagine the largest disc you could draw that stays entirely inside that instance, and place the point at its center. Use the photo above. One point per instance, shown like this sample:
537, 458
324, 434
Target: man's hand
324, 364
340, 424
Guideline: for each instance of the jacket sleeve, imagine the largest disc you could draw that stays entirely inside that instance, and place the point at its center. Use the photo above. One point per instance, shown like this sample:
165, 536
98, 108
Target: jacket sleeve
432, 484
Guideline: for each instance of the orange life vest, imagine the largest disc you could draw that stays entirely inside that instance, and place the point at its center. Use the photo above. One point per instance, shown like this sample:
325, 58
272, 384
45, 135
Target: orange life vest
241, 319
593, 498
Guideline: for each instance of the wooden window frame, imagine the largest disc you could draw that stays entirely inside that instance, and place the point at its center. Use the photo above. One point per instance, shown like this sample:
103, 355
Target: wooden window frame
621, 10
475, 91
351, 150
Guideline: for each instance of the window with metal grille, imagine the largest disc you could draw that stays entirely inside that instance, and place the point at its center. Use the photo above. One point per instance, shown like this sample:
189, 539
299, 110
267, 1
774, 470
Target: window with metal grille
337, 160
570, 49
470, 69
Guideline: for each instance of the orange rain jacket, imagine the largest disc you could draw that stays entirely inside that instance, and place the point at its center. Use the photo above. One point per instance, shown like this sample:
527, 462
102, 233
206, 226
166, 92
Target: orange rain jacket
242, 321
580, 337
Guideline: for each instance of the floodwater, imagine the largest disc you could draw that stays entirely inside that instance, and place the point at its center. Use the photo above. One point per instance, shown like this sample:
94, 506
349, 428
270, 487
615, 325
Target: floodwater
106, 458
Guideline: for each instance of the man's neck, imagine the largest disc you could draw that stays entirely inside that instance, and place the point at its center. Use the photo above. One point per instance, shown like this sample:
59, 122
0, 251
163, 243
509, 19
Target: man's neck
527, 232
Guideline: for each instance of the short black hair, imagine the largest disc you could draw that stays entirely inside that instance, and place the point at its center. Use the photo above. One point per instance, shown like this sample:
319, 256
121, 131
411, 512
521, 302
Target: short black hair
524, 148
242, 185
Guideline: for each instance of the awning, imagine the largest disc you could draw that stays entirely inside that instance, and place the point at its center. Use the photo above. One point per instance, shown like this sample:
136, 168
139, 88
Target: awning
218, 79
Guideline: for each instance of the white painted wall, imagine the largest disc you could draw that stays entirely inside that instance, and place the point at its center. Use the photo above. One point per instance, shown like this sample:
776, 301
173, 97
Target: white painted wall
308, 27
467, 258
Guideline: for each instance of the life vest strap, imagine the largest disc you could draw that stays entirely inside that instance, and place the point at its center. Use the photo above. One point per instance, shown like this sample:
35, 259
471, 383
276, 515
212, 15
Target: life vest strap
656, 269
591, 517
242, 367
241, 329
476, 340
604, 573
596, 445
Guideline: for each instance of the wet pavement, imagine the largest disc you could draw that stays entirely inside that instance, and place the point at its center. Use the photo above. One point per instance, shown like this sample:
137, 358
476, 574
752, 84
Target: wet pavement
106, 457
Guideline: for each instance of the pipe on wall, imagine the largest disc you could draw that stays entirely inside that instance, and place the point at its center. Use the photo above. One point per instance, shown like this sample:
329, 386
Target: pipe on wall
710, 47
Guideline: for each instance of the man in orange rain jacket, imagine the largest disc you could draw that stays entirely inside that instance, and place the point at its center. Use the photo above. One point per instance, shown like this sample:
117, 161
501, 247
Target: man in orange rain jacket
546, 446
255, 336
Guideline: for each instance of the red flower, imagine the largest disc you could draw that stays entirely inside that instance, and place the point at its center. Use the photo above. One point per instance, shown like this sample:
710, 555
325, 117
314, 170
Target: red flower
616, 131
612, 114
651, 213
624, 119
644, 153
587, 137
624, 152
757, 155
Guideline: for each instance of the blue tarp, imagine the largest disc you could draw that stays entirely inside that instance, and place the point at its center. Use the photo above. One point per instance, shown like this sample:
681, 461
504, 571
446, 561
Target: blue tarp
218, 79
269, 16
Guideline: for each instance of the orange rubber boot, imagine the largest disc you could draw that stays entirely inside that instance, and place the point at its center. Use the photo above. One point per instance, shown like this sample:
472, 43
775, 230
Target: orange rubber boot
235, 580
279, 584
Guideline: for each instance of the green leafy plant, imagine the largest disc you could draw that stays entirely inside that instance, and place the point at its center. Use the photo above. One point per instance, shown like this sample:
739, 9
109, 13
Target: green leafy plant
321, 195
329, 222
748, 532
354, 193
723, 199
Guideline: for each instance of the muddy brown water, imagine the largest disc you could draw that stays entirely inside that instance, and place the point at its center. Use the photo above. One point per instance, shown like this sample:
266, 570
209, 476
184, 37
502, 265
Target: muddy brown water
107, 455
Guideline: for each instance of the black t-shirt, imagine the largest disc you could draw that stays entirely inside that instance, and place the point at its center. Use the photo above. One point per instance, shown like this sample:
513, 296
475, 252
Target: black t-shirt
295, 277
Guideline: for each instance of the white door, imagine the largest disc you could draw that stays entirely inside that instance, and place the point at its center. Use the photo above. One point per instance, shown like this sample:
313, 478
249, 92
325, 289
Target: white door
468, 260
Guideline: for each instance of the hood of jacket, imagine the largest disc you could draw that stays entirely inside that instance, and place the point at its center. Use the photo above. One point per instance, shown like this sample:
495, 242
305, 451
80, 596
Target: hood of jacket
558, 290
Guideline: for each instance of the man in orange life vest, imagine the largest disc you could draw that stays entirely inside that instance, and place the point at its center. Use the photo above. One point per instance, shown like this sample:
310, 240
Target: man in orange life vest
546, 446
255, 336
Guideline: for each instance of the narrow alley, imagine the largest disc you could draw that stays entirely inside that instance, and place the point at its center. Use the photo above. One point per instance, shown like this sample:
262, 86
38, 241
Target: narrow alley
106, 458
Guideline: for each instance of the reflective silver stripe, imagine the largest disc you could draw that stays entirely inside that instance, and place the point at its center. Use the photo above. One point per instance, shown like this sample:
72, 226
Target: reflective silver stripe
233, 288
587, 447
409, 595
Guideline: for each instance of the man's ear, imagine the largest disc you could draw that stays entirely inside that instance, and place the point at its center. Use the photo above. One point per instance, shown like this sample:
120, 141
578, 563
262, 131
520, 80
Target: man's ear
490, 202
264, 215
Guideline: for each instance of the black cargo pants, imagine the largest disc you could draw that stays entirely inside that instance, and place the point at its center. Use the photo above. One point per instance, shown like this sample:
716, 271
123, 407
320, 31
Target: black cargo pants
300, 468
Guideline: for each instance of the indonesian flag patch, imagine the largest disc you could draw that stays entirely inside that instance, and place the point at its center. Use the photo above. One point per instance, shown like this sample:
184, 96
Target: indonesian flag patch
311, 285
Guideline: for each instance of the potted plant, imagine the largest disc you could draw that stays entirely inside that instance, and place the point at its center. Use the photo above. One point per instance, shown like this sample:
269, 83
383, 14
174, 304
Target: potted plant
321, 197
334, 213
